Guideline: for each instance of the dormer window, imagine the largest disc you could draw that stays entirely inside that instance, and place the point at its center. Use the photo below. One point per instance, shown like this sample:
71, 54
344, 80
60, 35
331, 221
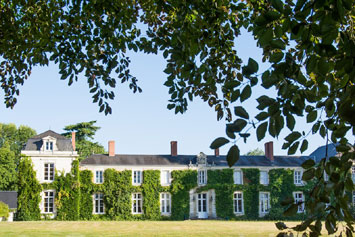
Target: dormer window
49, 146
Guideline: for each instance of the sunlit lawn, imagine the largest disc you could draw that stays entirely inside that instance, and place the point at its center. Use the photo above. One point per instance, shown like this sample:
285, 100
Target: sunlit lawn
139, 228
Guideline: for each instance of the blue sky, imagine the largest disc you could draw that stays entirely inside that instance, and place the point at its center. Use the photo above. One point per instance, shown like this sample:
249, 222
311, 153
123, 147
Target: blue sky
140, 123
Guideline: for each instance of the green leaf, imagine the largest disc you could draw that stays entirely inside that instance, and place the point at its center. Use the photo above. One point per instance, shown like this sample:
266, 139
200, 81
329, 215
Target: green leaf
290, 121
277, 44
241, 112
308, 174
293, 136
304, 146
262, 116
292, 210
311, 116
287, 201
276, 57
218, 142
278, 5
253, 66
308, 164
281, 226
261, 130
246, 93
292, 150
232, 155
322, 131
238, 125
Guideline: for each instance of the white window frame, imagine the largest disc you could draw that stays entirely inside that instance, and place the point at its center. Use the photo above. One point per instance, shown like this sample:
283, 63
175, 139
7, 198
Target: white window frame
139, 179
137, 198
47, 200
235, 177
299, 197
99, 176
49, 172
297, 177
202, 177
165, 204
99, 205
267, 177
238, 196
353, 174
165, 181
49, 145
262, 204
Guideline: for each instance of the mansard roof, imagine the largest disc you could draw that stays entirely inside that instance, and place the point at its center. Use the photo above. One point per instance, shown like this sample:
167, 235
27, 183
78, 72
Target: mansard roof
9, 198
35, 143
183, 160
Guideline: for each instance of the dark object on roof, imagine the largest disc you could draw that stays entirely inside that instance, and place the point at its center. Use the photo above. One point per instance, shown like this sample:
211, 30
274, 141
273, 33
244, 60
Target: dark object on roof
35, 143
9, 198
320, 152
184, 160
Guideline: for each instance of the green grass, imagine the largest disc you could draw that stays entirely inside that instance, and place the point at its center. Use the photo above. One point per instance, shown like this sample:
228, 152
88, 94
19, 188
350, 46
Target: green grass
139, 228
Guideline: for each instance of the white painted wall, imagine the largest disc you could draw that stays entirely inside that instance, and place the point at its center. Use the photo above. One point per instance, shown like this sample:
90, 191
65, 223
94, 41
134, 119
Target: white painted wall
62, 161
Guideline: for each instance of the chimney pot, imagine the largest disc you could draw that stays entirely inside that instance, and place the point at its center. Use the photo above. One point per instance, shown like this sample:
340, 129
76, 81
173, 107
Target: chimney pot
73, 140
269, 151
111, 148
173, 145
216, 152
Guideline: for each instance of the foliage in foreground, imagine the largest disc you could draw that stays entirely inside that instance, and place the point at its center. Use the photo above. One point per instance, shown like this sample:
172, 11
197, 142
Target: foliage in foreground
310, 46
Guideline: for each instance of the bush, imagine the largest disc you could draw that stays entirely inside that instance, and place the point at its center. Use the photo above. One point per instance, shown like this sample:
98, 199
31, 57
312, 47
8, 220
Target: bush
4, 210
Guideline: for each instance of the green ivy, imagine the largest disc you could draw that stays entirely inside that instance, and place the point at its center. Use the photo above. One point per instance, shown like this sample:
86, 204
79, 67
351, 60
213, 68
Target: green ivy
75, 190
29, 189
183, 181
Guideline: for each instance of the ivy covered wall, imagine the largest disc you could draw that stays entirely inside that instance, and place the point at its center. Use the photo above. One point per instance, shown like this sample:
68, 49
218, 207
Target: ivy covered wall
74, 193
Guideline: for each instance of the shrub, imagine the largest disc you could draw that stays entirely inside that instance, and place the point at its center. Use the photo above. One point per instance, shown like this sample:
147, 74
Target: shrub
4, 210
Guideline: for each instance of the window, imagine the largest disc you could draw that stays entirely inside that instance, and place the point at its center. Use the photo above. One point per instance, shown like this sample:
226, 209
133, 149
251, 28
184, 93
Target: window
99, 177
238, 177
297, 177
238, 203
137, 177
353, 198
49, 146
137, 203
264, 199
48, 202
202, 177
49, 171
165, 203
353, 173
298, 196
165, 177
264, 178
99, 203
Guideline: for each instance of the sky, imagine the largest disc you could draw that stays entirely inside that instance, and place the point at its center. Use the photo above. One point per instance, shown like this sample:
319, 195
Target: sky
140, 123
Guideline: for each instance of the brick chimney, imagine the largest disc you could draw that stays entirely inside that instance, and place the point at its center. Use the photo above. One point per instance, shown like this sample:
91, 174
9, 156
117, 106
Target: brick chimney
111, 148
73, 140
269, 150
173, 145
216, 152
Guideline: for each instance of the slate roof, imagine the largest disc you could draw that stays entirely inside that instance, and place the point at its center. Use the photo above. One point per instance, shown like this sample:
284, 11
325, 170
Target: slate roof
9, 198
35, 143
320, 152
183, 160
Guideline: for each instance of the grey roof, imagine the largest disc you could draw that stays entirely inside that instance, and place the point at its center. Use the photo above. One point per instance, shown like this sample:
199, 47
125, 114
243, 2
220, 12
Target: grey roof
168, 160
9, 198
35, 143
320, 152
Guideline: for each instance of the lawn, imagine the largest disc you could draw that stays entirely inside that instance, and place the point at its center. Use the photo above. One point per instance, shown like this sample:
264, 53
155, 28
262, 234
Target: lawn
138, 228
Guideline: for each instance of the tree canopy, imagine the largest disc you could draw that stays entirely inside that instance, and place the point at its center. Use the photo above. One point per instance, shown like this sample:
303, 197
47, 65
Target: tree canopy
7, 168
309, 45
255, 152
85, 132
